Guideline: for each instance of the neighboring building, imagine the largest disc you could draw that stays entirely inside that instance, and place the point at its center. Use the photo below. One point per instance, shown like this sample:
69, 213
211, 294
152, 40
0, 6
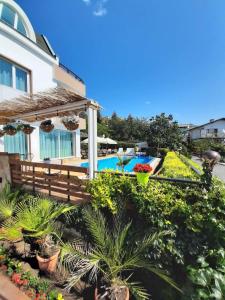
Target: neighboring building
28, 64
185, 127
214, 129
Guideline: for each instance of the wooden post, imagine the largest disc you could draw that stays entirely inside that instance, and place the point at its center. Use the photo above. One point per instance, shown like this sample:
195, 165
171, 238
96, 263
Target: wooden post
33, 169
68, 177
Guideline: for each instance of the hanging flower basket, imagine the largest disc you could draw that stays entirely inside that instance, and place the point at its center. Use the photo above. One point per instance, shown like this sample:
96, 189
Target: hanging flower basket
2, 133
71, 123
143, 172
27, 129
10, 130
47, 126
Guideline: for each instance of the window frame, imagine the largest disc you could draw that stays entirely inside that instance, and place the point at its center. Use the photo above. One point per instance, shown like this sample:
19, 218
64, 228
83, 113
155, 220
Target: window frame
14, 67
16, 18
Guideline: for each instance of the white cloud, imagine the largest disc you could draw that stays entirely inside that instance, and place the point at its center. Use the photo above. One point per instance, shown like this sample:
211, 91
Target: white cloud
87, 1
100, 9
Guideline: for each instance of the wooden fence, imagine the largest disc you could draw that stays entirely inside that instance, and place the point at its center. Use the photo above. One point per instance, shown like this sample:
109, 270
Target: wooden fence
57, 180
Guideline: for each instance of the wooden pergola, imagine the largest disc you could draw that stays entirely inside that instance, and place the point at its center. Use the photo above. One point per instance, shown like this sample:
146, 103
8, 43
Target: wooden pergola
57, 102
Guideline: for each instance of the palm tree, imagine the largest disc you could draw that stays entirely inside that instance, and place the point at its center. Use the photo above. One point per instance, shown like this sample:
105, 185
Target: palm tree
34, 217
113, 255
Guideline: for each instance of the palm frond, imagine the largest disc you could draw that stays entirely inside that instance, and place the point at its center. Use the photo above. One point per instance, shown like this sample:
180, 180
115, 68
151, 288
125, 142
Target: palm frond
96, 225
137, 290
160, 273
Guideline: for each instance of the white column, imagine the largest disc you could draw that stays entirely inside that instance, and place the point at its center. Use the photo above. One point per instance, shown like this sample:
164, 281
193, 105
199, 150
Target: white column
35, 144
92, 141
76, 143
95, 146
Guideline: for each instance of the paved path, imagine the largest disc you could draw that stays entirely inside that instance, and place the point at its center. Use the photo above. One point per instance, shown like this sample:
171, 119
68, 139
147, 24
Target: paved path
219, 170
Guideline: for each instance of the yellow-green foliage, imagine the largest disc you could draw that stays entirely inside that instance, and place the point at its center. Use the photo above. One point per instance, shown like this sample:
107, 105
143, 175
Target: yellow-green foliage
192, 163
173, 167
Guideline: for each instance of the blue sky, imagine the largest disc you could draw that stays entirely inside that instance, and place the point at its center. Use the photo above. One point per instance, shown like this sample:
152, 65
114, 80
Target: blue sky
141, 56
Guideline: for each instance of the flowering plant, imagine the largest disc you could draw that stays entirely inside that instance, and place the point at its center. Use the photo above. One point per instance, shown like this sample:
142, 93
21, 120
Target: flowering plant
142, 168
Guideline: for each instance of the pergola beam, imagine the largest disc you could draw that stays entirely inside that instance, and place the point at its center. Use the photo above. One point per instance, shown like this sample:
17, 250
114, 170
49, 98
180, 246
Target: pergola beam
57, 102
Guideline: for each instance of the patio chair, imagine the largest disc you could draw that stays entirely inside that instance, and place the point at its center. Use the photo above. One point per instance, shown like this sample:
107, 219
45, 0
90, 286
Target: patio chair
130, 152
104, 152
120, 151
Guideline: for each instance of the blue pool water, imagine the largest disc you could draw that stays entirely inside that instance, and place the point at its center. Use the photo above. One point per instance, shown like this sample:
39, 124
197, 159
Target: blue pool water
111, 163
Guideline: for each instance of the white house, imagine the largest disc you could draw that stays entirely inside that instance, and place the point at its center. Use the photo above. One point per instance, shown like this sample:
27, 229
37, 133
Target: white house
28, 64
214, 129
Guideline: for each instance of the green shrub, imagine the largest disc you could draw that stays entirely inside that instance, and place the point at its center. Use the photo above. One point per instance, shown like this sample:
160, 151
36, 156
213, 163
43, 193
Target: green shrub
173, 167
109, 191
189, 161
196, 218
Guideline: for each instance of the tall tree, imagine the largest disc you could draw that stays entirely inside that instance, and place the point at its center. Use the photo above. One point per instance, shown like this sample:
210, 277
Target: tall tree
164, 132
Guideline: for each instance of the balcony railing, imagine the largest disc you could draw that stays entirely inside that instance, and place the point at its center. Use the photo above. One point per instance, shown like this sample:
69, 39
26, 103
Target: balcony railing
71, 72
213, 135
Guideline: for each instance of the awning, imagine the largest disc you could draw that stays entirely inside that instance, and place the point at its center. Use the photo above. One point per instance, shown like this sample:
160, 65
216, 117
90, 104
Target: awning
55, 102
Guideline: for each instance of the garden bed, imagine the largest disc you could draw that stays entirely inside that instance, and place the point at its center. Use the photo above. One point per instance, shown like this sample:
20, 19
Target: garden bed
175, 167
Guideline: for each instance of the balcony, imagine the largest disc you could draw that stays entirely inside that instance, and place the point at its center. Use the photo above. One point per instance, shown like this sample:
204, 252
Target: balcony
68, 79
216, 135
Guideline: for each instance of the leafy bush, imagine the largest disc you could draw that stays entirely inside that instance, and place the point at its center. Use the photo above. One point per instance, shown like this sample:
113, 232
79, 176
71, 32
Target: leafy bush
196, 218
209, 281
108, 191
189, 161
173, 167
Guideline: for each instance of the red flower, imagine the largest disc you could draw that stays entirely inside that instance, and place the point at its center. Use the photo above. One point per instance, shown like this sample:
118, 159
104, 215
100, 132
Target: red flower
142, 168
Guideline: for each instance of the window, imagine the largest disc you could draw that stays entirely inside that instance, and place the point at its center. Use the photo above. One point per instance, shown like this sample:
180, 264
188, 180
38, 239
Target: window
21, 80
20, 27
13, 76
16, 144
55, 144
5, 73
9, 16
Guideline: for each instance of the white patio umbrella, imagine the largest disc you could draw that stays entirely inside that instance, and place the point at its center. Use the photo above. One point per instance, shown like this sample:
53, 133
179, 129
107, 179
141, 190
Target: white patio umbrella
110, 141
100, 140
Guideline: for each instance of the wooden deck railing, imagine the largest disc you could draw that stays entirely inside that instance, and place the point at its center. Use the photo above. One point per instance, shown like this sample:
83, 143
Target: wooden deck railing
56, 180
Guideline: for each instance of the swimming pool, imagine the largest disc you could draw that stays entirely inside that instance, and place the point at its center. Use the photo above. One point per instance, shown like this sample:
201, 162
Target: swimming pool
111, 163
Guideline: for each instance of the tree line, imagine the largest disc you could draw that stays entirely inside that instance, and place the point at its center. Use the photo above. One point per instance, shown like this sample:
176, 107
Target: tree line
160, 131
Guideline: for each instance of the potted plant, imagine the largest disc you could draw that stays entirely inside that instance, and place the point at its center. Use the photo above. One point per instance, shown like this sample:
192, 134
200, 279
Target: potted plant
37, 218
47, 126
114, 254
143, 172
2, 133
10, 129
27, 129
48, 254
123, 161
71, 122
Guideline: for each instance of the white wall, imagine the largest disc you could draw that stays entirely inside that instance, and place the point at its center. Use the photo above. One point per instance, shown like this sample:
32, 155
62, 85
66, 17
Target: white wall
220, 125
41, 67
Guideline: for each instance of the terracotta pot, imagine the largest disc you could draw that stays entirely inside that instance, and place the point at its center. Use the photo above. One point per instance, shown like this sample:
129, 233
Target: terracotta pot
47, 128
127, 297
2, 133
28, 130
71, 125
48, 264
